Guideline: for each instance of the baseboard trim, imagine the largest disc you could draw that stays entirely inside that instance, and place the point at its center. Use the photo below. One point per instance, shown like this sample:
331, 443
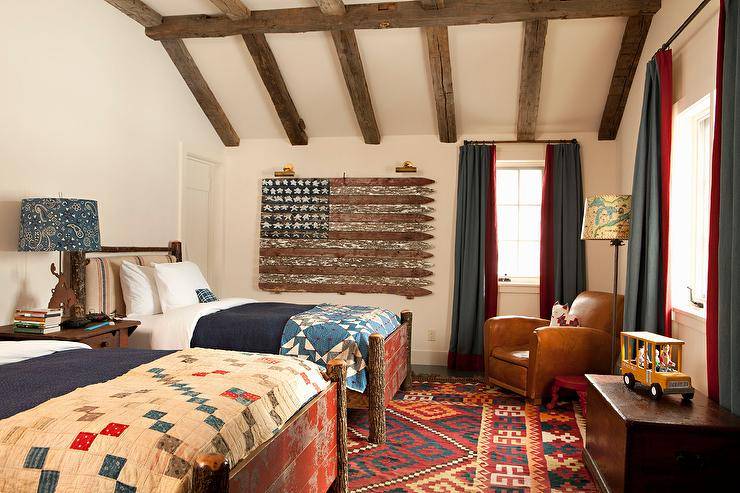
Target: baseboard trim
425, 357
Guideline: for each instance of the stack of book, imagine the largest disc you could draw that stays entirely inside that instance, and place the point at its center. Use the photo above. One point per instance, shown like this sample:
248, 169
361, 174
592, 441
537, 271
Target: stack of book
38, 320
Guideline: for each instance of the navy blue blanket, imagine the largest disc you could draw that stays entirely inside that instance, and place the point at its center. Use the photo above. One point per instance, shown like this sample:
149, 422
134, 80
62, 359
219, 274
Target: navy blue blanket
26, 384
254, 327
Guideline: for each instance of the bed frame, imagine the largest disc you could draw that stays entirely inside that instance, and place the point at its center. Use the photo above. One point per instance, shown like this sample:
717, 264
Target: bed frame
389, 359
309, 454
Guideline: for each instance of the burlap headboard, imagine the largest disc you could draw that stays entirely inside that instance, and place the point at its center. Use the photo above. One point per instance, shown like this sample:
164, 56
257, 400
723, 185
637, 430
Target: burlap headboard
96, 279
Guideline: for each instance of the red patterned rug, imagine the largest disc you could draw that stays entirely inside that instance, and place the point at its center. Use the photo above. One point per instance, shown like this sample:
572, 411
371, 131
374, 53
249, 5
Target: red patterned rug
462, 436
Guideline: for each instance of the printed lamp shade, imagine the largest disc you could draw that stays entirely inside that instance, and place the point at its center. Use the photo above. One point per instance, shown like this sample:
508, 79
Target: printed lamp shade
607, 217
59, 224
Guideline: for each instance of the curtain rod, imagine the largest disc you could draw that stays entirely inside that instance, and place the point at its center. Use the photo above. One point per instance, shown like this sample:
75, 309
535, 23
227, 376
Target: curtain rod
532, 141
683, 26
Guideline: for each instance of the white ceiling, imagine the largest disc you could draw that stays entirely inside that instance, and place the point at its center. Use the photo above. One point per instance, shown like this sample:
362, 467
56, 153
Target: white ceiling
486, 60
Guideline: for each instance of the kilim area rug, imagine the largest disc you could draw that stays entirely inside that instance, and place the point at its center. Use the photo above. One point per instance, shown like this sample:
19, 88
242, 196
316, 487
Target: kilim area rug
456, 435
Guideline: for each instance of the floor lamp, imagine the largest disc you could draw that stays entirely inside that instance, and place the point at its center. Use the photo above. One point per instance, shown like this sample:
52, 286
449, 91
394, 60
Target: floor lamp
607, 217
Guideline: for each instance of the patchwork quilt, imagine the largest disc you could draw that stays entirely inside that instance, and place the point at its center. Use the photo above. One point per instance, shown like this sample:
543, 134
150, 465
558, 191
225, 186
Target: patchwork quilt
140, 432
329, 331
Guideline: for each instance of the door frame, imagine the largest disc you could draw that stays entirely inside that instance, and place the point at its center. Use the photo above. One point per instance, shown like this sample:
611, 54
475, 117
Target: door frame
215, 210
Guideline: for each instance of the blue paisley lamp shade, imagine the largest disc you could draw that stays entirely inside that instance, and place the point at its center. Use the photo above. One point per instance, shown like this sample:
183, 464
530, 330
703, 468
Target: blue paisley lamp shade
607, 217
59, 224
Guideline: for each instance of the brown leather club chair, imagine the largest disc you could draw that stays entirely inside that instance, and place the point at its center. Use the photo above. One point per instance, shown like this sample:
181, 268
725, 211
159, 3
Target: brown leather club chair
523, 354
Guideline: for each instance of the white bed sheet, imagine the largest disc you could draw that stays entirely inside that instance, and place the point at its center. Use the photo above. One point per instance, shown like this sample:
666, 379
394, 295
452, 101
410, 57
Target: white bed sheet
174, 329
14, 351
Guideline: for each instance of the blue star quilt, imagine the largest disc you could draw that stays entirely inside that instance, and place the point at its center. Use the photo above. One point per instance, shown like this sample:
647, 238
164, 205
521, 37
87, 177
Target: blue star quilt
329, 331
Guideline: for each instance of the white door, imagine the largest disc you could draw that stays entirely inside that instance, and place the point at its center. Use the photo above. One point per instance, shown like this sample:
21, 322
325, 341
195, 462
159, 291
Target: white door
197, 211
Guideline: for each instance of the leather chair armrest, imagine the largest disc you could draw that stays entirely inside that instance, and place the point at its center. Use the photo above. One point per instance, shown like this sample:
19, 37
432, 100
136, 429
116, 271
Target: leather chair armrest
508, 331
557, 351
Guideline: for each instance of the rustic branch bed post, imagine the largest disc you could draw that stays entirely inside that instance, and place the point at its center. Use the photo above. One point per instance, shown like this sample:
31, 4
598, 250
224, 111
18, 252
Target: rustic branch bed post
376, 389
407, 318
337, 370
211, 474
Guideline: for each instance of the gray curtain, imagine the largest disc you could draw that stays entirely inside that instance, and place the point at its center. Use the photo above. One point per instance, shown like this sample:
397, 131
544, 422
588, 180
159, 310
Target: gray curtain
728, 316
468, 315
569, 255
644, 294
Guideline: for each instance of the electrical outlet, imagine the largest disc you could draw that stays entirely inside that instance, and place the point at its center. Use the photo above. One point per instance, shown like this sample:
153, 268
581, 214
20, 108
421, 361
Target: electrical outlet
431, 335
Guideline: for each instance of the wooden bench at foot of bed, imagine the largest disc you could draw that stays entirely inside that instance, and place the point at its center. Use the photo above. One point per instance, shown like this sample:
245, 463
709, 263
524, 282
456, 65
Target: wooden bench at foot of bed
388, 371
309, 453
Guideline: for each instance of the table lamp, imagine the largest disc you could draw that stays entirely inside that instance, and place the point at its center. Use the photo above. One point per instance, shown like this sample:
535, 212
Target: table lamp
59, 225
607, 217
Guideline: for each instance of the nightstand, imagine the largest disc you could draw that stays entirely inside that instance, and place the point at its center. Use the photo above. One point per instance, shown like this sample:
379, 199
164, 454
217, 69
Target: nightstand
109, 336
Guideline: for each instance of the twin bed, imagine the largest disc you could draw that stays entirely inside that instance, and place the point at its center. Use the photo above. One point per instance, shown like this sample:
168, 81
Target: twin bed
202, 401
240, 324
198, 420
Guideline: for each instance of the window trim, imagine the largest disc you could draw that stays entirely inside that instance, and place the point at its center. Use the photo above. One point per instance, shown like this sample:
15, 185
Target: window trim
524, 164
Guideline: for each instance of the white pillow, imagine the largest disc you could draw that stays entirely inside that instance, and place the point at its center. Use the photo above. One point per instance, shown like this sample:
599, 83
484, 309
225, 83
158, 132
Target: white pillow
177, 283
14, 351
139, 288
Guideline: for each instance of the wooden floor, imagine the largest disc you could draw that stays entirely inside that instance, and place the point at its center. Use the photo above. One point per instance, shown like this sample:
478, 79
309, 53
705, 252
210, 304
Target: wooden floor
442, 371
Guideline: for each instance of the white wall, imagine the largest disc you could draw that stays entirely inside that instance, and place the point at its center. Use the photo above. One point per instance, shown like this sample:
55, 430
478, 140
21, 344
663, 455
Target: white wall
694, 65
91, 108
330, 157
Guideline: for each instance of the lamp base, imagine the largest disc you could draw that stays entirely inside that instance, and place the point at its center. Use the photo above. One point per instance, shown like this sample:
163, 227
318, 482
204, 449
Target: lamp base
61, 295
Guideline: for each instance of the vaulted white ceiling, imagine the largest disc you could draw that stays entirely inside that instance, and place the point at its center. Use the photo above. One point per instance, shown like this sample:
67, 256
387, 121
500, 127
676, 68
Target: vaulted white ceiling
486, 60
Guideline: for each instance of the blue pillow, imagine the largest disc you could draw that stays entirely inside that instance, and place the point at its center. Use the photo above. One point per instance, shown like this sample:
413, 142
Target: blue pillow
205, 295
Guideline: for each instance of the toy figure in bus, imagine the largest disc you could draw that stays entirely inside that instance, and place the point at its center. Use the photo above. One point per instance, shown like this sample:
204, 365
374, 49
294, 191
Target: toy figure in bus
641, 356
663, 359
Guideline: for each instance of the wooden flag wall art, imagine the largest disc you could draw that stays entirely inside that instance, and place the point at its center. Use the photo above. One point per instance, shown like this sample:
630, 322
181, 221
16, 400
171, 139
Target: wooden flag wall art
342, 235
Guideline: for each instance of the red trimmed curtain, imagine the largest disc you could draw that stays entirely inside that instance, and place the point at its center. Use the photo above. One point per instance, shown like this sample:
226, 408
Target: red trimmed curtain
476, 256
547, 261
664, 59
647, 303
714, 212
491, 268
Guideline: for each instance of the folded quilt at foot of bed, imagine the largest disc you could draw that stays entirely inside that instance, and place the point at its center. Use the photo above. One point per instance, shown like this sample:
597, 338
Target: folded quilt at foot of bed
330, 331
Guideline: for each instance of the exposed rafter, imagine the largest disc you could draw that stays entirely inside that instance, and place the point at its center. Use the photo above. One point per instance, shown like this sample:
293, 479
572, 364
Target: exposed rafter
438, 47
530, 81
273, 80
194, 79
354, 75
348, 52
233, 9
180, 56
397, 15
138, 11
633, 41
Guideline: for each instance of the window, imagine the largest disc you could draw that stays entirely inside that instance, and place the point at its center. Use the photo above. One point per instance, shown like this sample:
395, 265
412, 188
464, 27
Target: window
690, 195
518, 200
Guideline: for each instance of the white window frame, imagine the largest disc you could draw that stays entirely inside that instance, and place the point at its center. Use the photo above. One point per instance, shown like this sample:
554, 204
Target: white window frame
696, 183
520, 165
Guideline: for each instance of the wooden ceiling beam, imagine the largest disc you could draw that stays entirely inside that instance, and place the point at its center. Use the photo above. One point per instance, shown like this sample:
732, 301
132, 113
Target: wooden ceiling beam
350, 60
233, 9
438, 47
348, 52
530, 80
180, 56
396, 15
194, 79
628, 59
138, 11
273, 80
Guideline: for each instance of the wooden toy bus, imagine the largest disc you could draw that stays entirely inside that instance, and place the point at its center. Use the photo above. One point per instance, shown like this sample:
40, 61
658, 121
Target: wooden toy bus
654, 361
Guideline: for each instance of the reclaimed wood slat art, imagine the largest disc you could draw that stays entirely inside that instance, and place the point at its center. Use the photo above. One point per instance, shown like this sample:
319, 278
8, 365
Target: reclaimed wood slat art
341, 235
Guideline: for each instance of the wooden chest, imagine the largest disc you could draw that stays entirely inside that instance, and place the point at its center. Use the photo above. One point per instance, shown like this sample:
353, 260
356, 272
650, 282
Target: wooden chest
635, 444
